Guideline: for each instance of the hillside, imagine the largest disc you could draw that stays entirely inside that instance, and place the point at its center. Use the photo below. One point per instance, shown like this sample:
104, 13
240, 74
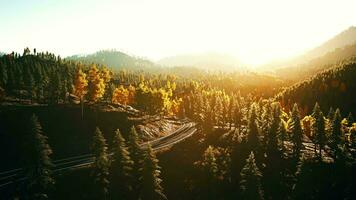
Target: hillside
319, 64
332, 88
114, 59
346, 37
338, 48
206, 61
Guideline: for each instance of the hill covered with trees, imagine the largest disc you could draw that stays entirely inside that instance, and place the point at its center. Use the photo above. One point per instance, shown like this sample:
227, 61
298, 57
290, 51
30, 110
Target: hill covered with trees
332, 88
115, 59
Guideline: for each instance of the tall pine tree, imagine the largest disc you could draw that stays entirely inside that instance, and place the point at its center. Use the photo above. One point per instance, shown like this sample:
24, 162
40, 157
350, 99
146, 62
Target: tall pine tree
296, 132
101, 165
136, 154
121, 169
250, 184
151, 181
38, 162
318, 128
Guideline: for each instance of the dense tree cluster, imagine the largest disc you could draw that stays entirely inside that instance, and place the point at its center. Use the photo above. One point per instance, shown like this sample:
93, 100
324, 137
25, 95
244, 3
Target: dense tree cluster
275, 144
130, 173
332, 88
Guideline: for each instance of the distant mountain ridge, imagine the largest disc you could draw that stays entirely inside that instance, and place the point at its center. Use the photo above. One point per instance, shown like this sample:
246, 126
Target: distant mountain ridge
114, 59
327, 61
344, 38
340, 48
208, 61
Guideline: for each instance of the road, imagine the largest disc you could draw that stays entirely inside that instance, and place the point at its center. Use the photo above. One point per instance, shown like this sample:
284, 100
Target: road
9, 177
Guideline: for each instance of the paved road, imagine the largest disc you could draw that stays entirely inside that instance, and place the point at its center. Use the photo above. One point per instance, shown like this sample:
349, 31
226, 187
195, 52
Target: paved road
9, 177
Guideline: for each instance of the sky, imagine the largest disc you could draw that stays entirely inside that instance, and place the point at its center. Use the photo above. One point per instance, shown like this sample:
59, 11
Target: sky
255, 31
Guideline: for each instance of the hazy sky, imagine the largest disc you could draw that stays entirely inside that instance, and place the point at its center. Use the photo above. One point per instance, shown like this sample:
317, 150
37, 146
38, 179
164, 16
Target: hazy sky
255, 31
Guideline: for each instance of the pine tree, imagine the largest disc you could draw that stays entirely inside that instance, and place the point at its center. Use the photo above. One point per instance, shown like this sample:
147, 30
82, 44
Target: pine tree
336, 137
121, 168
136, 156
331, 113
237, 116
38, 162
151, 181
101, 164
266, 123
252, 130
272, 176
296, 132
210, 167
319, 135
336, 133
350, 119
250, 184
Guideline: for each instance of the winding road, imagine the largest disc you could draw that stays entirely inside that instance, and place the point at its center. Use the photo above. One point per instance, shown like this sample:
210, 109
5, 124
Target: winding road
9, 177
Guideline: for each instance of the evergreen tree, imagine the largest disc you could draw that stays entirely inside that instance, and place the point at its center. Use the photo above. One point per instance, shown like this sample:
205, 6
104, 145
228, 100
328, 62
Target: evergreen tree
331, 114
210, 167
336, 132
296, 132
250, 184
37, 161
151, 181
272, 176
136, 156
237, 116
101, 165
266, 123
121, 168
337, 144
350, 119
252, 130
318, 128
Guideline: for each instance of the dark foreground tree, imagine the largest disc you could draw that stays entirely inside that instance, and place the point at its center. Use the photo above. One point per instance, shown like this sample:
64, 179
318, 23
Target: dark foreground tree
296, 132
319, 136
121, 169
253, 141
151, 181
336, 136
136, 156
100, 165
37, 161
272, 172
250, 184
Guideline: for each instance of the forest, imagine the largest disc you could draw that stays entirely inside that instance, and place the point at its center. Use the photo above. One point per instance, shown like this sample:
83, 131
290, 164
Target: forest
256, 136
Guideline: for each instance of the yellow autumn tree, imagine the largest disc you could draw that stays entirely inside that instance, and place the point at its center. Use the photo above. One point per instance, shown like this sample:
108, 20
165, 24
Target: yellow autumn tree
80, 86
96, 84
175, 106
132, 93
106, 75
120, 95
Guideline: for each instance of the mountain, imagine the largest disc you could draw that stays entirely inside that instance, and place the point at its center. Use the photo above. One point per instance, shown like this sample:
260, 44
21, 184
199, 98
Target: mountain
346, 37
114, 59
319, 64
331, 88
330, 48
207, 61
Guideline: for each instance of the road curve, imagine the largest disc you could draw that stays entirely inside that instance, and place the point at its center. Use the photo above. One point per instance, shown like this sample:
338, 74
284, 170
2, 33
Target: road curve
62, 165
